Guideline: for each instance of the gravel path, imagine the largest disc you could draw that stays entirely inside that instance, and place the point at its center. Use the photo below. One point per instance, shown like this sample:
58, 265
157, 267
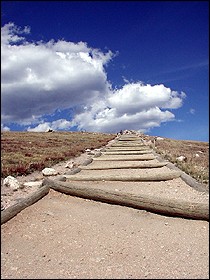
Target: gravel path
67, 237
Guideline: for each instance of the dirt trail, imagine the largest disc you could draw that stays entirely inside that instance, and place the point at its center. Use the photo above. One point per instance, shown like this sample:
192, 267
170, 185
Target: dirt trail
67, 237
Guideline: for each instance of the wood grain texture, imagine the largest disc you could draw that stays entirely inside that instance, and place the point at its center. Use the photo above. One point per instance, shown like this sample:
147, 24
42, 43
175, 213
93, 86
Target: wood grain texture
171, 207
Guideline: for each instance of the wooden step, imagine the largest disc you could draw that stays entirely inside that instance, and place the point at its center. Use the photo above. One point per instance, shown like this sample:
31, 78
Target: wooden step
126, 152
171, 174
123, 164
125, 157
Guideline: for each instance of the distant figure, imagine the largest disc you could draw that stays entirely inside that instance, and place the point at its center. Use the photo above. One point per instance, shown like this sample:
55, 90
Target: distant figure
121, 132
50, 130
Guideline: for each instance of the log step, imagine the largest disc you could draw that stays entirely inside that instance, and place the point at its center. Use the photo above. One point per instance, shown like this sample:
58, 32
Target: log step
129, 139
125, 158
131, 178
141, 148
128, 145
126, 152
123, 164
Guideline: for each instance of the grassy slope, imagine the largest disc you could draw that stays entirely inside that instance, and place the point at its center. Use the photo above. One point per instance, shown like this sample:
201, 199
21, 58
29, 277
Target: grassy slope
25, 152
196, 162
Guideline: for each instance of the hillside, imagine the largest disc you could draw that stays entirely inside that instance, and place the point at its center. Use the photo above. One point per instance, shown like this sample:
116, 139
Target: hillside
26, 152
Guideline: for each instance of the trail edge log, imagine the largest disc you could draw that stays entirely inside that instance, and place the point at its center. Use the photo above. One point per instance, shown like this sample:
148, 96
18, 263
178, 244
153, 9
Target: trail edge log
170, 207
13, 210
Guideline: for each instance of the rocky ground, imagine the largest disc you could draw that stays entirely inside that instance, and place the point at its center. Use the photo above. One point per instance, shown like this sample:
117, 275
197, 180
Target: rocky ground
10, 196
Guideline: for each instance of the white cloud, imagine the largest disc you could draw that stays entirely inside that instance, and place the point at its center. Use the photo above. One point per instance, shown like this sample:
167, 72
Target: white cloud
60, 124
134, 106
135, 97
109, 120
9, 33
41, 78
41, 127
4, 128
192, 111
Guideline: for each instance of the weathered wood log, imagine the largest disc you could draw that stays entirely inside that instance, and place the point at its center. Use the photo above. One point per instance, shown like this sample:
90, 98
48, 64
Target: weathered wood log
127, 145
170, 207
98, 154
169, 175
132, 142
87, 161
189, 180
115, 149
127, 152
13, 210
73, 171
128, 138
124, 164
125, 158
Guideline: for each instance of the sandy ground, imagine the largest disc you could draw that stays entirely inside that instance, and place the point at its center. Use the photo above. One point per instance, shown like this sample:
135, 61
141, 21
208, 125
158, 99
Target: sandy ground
66, 237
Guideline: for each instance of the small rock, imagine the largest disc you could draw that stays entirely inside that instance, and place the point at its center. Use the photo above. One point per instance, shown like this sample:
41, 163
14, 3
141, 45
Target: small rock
70, 164
11, 182
146, 273
91, 153
49, 213
181, 158
33, 184
49, 171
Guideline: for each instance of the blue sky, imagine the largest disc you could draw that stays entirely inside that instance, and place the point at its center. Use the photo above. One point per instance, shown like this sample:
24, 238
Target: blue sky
106, 66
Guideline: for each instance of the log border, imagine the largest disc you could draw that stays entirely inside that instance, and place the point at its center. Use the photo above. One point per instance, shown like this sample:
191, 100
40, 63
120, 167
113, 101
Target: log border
193, 183
13, 210
169, 207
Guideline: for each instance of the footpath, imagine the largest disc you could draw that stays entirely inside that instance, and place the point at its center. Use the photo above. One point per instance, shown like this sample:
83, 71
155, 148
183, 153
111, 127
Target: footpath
127, 214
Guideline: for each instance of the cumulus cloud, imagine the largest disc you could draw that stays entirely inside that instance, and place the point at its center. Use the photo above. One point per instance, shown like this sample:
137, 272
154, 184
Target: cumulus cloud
135, 106
10, 33
40, 78
60, 124
4, 128
136, 97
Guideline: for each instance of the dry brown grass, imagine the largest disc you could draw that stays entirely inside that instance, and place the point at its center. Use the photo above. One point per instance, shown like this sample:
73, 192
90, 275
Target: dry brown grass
25, 152
196, 153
